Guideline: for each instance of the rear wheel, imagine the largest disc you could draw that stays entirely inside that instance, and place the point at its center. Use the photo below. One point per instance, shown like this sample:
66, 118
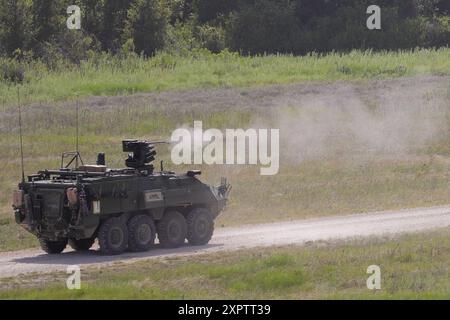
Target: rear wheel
113, 236
53, 247
81, 244
200, 226
172, 230
141, 233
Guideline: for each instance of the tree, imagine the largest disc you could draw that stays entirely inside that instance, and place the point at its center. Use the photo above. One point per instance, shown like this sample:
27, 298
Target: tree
267, 26
427, 8
92, 20
45, 20
407, 9
306, 10
146, 25
114, 19
444, 7
14, 25
208, 10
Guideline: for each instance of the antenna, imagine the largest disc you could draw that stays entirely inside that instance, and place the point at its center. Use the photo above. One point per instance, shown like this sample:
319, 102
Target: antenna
77, 149
20, 134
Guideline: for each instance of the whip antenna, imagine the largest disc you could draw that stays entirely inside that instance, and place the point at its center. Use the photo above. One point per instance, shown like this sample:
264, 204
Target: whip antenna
77, 145
20, 134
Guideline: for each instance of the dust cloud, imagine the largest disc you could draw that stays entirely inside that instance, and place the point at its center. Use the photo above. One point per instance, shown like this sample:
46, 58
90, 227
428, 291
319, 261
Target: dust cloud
349, 121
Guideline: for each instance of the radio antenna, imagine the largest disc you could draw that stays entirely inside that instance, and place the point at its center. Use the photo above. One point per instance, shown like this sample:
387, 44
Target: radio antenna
20, 134
77, 145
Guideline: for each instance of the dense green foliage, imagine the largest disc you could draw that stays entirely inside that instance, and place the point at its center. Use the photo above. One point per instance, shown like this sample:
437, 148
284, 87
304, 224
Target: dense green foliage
37, 28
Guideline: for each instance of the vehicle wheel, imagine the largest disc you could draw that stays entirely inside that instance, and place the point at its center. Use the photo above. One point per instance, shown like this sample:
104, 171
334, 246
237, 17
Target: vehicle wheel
81, 244
141, 233
53, 247
113, 236
172, 229
200, 226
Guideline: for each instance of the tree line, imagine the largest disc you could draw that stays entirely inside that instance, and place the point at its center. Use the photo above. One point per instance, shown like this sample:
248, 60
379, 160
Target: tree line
37, 28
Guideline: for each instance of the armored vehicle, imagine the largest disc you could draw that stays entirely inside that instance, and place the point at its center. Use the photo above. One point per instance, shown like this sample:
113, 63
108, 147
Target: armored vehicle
125, 209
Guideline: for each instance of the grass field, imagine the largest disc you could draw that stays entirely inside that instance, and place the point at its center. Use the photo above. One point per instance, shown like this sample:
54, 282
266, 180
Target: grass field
106, 75
412, 266
346, 146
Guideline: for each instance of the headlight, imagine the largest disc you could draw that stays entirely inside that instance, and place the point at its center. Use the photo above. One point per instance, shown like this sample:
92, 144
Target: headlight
18, 199
72, 196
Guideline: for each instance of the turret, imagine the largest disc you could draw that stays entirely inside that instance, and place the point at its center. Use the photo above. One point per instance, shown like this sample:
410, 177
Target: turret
142, 156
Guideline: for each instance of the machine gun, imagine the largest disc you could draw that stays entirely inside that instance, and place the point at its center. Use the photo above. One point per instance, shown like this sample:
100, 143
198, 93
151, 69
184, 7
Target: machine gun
142, 154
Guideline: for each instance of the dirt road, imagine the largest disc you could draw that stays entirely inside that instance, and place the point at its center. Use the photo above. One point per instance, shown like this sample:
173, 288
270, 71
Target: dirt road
280, 233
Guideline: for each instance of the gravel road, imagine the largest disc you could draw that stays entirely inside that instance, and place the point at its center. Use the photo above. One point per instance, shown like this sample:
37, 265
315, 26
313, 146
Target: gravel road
262, 235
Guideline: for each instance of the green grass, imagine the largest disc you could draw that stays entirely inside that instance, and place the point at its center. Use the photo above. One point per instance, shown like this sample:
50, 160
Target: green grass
106, 75
414, 266
346, 182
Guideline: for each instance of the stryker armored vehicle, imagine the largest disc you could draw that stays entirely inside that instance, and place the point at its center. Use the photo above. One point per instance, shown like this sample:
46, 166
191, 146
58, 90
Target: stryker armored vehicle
123, 208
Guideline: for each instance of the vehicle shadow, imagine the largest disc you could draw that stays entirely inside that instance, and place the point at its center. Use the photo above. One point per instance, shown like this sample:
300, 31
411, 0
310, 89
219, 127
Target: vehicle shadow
94, 256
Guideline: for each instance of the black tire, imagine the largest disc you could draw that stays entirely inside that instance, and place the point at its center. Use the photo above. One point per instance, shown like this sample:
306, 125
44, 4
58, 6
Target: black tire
172, 230
53, 247
141, 233
200, 226
81, 244
113, 236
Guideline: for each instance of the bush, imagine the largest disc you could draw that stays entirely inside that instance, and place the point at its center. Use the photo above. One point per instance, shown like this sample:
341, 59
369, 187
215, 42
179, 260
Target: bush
71, 46
211, 37
12, 71
180, 38
436, 31
183, 38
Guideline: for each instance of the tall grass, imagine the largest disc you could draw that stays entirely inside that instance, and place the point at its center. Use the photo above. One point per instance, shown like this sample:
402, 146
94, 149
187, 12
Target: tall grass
112, 75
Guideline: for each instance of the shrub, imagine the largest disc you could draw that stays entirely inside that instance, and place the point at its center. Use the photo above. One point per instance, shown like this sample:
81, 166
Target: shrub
71, 46
12, 71
180, 38
211, 37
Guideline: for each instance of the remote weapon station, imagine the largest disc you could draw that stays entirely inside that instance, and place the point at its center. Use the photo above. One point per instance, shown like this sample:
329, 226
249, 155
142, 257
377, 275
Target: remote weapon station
125, 209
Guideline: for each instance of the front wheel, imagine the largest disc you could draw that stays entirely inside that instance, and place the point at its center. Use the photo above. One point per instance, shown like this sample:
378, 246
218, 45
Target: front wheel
113, 236
81, 244
200, 226
172, 230
53, 247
